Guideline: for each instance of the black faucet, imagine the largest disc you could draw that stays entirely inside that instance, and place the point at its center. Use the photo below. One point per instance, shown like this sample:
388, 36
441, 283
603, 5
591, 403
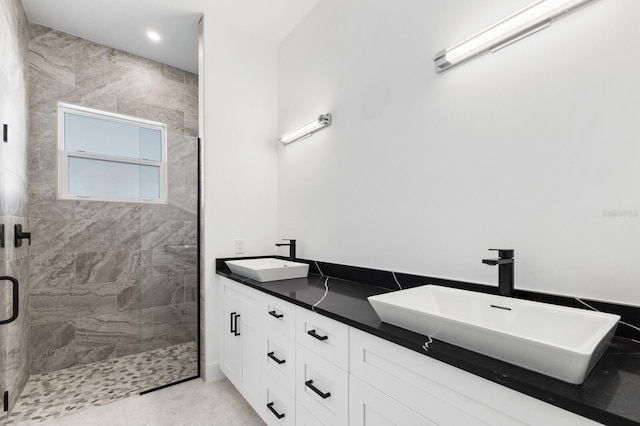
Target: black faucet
292, 248
505, 270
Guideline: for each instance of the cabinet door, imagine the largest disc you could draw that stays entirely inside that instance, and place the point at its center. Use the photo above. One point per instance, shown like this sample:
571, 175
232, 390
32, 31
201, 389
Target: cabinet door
231, 341
370, 407
252, 358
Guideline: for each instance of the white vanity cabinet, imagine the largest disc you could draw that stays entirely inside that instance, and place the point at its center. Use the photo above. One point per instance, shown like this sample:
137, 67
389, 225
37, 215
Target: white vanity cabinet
296, 367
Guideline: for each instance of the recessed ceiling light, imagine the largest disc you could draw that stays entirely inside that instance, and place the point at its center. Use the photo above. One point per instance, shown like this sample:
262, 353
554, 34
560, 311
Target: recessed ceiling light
153, 35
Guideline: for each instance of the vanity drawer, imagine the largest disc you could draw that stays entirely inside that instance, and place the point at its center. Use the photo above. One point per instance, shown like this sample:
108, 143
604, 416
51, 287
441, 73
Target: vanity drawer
323, 336
368, 406
322, 388
280, 315
304, 417
279, 408
280, 361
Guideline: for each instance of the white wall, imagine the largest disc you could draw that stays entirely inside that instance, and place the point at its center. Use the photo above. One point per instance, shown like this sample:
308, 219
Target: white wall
240, 156
422, 173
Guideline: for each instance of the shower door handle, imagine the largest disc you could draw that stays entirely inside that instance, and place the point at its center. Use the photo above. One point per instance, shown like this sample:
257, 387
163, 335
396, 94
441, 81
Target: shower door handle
16, 300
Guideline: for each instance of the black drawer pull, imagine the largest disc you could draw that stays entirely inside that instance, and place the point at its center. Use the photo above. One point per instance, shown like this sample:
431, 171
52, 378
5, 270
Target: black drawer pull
273, 357
231, 327
309, 384
275, 314
273, 410
313, 333
235, 321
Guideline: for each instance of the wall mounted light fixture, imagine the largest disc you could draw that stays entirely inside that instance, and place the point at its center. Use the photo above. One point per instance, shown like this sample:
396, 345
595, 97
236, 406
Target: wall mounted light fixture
527, 21
306, 130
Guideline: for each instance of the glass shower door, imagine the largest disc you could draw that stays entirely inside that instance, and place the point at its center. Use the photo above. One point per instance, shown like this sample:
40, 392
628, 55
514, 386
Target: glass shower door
169, 270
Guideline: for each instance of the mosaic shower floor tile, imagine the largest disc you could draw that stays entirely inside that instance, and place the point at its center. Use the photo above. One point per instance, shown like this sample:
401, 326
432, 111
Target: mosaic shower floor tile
65, 392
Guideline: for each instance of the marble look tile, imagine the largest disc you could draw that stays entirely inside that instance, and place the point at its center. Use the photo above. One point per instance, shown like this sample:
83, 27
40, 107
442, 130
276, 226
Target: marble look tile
191, 179
161, 291
174, 261
191, 80
37, 30
167, 212
48, 37
43, 173
190, 288
172, 73
128, 60
55, 339
110, 329
43, 132
88, 49
173, 119
45, 365
106, 267
128, 235
191, 232
182, 150
53, 270
156, 234
50, 60
54, 305
129, 296
62, 236
45, 206
94, 353
98, 210
45, 94
146, 263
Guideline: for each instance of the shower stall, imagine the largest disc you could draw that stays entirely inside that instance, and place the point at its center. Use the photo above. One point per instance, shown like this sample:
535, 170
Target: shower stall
107, 287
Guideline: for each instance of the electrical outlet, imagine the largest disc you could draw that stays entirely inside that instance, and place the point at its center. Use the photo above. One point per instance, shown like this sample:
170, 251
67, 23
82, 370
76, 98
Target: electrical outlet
239, 246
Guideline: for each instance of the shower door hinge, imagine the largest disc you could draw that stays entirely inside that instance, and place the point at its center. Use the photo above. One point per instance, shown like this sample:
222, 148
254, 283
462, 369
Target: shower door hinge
5, 400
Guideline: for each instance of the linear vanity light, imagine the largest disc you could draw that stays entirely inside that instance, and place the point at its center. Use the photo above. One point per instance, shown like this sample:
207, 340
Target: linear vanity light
306, 130
527, 21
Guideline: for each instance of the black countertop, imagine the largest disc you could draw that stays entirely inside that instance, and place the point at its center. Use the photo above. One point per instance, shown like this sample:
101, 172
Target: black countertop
610, 394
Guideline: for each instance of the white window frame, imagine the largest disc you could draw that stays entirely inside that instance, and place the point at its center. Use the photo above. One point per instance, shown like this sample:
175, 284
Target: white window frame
63, 154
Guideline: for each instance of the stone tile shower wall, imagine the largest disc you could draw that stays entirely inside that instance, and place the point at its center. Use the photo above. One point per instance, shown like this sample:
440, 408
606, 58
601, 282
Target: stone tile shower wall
14, 111
109, 279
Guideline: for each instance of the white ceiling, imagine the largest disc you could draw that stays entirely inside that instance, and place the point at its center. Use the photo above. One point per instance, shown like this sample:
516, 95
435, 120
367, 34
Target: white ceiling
123, 24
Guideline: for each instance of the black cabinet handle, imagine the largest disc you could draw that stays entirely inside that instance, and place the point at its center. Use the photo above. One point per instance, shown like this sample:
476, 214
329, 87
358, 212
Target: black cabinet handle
231, 326
235, 321
275, 314
309, 384
273, 357
274, 412
16, 300
313, 333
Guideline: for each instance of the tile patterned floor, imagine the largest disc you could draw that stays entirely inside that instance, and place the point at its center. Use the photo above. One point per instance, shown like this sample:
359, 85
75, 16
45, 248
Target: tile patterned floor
65, 392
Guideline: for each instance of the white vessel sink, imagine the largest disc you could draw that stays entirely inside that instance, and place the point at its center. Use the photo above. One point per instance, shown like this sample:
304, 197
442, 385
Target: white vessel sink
269, 269
558, 341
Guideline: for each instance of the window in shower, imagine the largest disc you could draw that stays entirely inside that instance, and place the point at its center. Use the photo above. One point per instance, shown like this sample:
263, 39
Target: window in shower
110, 157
